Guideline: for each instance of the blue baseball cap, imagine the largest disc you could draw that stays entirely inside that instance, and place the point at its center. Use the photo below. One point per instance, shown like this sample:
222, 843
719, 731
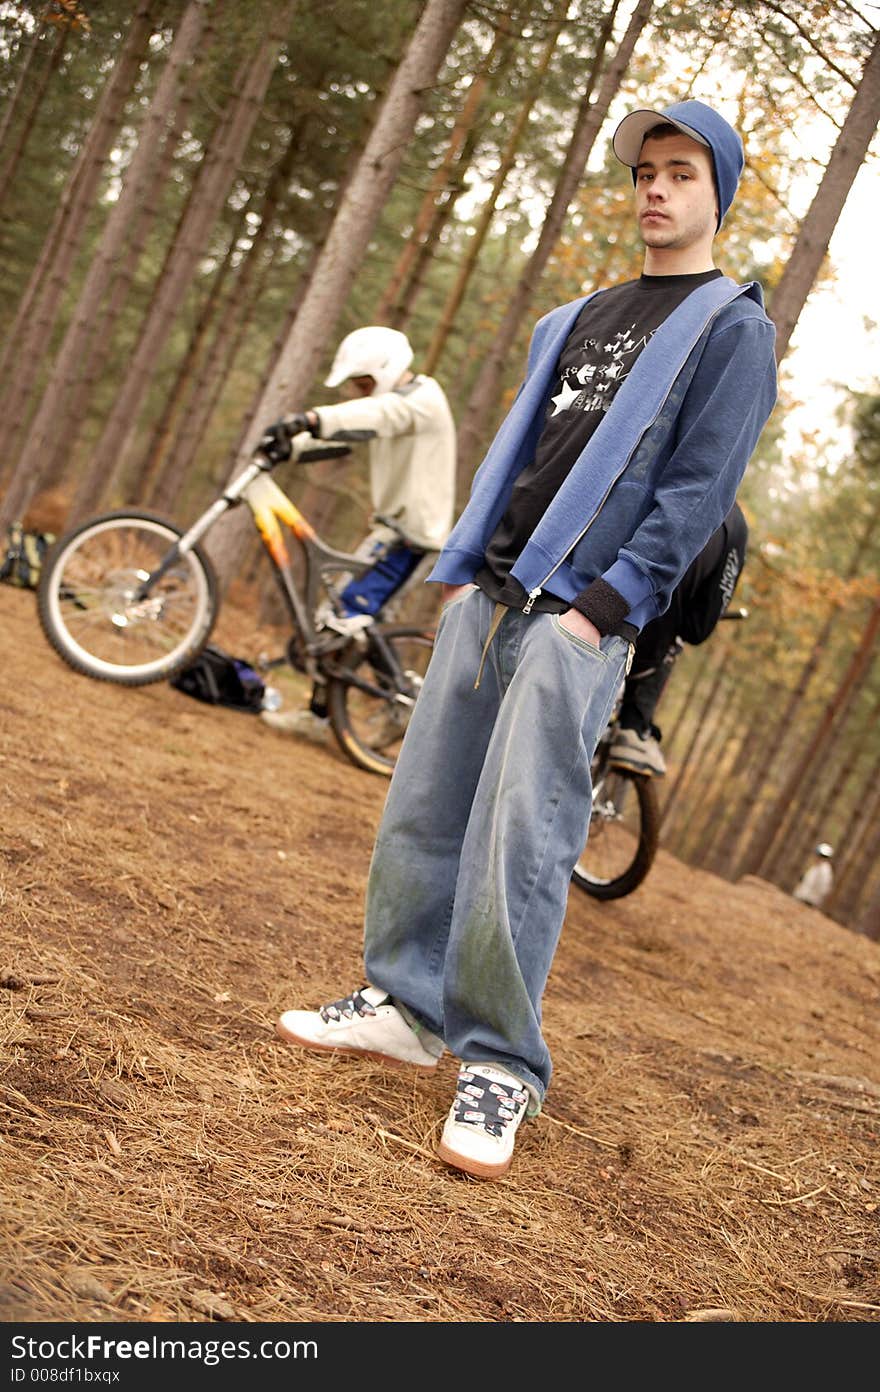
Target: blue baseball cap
701, 123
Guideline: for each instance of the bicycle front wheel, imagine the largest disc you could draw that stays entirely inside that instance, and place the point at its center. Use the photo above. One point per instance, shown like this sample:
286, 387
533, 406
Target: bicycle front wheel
623, 835
92, 609
371, 699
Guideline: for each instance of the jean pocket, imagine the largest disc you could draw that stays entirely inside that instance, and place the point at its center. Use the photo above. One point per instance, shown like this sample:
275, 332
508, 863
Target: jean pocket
575, 641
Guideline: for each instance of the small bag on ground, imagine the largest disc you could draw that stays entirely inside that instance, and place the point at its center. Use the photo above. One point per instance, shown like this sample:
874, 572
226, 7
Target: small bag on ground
21, 559
221, 680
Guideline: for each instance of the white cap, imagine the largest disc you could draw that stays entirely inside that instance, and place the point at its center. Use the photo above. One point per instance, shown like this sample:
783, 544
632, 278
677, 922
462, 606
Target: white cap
375, 351
823, 849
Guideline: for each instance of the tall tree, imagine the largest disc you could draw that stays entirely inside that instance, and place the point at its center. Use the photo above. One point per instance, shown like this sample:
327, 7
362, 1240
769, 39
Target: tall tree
64, 24
28, 338
391, 306
209, 194
344, 246
848, 154
590, 116
154, 130
505, 164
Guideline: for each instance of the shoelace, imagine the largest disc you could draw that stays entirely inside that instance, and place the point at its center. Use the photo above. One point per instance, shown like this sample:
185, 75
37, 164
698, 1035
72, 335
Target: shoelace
346, 1008
482, 1102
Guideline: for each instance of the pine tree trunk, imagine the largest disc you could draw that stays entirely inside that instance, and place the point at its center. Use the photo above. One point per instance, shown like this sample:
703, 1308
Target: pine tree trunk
847, 157
750, 859
21, 85
46, 424
344, 247
104, 326
9, 169
859, 817
505, 164
389, 305
210, 193
827, 775
589, 119
722, 761
28, 338
150, 462
426, 250
696, 738
756, 746
793, 784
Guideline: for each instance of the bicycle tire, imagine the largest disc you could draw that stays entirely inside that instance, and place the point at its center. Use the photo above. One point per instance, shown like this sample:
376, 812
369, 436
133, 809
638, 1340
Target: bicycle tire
89, 611
369, 725
611, 872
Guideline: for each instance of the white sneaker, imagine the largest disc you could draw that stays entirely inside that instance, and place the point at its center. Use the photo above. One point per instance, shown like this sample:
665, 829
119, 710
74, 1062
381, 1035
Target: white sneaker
480, 1130
366, 1022
302, 723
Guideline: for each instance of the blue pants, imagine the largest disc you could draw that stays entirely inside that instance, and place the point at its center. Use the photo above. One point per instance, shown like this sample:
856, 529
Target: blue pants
485, 818
370, 591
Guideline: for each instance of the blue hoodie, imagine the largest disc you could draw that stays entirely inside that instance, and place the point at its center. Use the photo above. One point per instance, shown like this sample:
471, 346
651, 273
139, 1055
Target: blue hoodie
658, 475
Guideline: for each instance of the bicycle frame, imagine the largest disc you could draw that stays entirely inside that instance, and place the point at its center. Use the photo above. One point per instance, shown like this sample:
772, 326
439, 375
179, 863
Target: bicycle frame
272, 509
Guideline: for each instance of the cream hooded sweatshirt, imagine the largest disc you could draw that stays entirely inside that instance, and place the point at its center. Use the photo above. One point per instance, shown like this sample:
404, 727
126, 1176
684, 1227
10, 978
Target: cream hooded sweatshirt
412, 457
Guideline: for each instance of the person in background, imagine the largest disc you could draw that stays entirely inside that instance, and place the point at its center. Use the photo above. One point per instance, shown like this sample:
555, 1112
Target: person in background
621, 454
817, 881
698, 602
407, 422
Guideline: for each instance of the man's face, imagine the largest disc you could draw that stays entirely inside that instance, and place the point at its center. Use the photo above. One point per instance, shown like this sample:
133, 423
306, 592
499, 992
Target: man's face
676, 202
360, 386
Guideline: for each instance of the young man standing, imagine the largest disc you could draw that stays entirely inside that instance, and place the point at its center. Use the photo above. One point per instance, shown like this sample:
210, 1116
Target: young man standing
619, 458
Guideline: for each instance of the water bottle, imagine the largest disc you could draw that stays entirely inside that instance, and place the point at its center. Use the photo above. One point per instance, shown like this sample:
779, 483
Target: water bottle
272, 698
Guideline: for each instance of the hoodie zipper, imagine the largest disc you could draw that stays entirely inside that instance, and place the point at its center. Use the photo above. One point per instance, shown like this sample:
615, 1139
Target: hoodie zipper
533, 594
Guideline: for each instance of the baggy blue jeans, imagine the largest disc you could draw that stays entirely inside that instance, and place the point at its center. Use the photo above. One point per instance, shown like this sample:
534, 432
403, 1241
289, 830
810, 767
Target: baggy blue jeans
485, 818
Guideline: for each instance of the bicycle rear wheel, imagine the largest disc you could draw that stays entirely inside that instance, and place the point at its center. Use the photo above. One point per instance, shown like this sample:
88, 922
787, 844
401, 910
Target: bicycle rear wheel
623, 836
371, 699
91, 610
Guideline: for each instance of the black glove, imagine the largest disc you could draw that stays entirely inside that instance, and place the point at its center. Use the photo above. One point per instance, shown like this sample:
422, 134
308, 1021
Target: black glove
298, 423
275, 444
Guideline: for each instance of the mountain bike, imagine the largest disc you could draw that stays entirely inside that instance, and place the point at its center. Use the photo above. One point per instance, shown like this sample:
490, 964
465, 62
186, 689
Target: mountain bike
130, 597
624, 828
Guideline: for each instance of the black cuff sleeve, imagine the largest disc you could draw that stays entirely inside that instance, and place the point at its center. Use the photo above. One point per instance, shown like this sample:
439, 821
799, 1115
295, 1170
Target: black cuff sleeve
602, 605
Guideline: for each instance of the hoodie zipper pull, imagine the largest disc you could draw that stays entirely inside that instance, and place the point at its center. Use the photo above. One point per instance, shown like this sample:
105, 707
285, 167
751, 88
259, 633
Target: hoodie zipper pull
533, 595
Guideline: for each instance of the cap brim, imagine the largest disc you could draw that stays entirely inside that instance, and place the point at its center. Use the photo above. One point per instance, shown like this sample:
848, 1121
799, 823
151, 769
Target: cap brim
335, 379
630, 134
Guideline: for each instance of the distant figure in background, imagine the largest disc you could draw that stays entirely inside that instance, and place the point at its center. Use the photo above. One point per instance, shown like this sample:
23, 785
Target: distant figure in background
816, 883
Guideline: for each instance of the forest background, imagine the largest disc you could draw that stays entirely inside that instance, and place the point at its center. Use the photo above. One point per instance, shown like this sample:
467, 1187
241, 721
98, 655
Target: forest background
198, 198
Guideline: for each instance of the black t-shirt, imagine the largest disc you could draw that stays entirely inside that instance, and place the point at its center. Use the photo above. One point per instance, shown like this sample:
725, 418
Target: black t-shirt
609, 333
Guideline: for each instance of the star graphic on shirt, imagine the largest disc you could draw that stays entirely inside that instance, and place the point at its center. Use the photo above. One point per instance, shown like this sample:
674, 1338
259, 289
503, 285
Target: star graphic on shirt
564, 399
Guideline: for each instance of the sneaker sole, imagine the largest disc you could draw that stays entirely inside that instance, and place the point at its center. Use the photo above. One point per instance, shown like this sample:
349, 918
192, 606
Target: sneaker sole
290, 1038
644, 770
477, 1168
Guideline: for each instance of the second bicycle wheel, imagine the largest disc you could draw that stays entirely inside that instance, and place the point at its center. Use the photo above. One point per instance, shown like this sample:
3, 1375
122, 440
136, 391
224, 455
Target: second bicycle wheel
371, 701
623, 836
93, 609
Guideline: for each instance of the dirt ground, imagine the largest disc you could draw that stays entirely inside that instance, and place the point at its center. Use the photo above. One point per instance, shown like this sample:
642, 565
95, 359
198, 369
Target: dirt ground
172, 876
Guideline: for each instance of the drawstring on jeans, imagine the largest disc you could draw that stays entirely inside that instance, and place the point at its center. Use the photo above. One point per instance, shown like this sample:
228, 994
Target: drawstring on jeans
497, 615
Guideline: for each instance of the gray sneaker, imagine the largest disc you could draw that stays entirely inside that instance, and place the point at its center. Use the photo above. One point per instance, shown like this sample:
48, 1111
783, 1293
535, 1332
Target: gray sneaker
303, 724
637, 753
